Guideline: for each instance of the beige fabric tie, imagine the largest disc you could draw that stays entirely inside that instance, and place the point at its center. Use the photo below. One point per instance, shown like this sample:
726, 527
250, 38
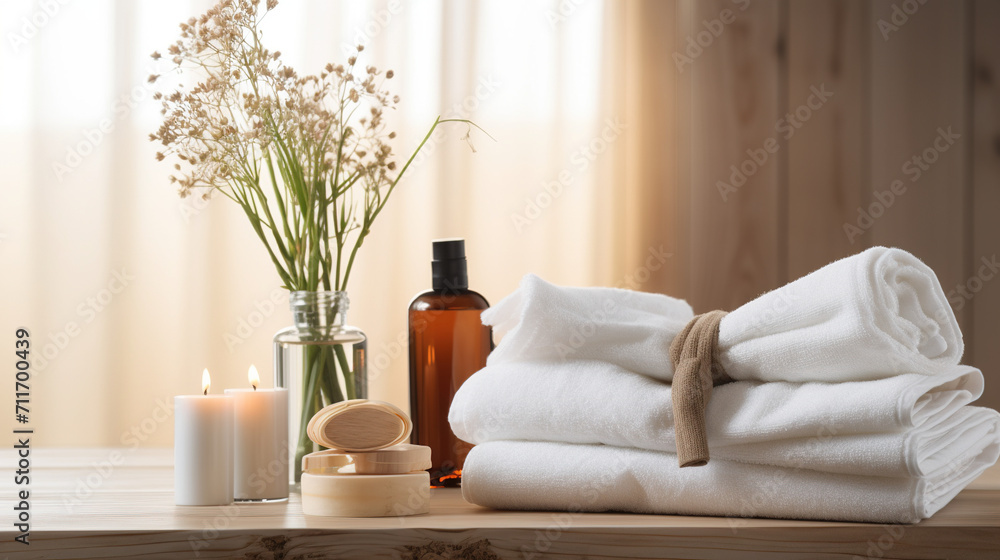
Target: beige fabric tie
694, 354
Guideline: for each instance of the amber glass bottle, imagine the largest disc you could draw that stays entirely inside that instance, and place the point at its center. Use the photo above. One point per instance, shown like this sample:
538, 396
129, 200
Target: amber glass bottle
448, 343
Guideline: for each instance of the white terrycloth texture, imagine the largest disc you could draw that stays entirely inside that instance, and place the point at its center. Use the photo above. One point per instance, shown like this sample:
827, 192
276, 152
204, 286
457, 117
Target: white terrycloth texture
542, 321
572, 477
869, 316
911, 422
922, 451
847, 321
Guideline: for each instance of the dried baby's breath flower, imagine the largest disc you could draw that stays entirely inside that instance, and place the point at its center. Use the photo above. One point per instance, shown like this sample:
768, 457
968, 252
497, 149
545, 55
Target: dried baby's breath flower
286, 147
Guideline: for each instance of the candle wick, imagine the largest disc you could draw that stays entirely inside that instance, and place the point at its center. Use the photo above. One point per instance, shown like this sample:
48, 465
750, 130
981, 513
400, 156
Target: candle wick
254, 387
205, 392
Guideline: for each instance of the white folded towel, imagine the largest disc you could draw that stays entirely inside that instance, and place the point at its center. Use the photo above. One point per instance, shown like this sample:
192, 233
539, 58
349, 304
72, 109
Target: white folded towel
848, 402
577, 478
872, 315
924, 451
541, 321
909, 422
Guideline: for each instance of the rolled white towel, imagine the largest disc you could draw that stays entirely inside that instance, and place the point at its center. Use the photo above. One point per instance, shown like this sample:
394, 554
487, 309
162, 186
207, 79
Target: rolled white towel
871, 315
846, 321
808, 425
589, 478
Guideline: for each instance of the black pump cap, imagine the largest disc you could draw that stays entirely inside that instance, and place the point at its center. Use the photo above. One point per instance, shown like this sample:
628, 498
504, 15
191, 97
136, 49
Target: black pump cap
449, 270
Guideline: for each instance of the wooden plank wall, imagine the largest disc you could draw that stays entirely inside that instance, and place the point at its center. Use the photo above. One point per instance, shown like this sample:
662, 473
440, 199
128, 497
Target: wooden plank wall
900, 79
827, 155
985, 199
737, 93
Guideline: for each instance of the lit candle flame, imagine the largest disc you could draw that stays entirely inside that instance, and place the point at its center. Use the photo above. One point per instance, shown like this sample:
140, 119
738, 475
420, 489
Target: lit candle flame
253, 377
206, 381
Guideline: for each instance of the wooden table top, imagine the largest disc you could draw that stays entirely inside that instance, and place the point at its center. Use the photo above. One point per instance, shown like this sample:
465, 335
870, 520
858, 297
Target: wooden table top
118, 503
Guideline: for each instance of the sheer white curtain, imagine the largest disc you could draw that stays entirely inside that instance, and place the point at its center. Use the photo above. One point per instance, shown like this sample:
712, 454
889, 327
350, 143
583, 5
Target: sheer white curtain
130, 291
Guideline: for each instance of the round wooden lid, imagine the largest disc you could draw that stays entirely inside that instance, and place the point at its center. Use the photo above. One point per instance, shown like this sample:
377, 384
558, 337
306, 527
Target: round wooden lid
398, 459
359, 425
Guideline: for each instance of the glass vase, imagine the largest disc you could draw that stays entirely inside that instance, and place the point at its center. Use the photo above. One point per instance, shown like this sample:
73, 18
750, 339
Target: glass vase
320, 360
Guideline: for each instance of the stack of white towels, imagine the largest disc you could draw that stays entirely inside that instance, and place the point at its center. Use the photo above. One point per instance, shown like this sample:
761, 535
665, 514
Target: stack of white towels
849, 403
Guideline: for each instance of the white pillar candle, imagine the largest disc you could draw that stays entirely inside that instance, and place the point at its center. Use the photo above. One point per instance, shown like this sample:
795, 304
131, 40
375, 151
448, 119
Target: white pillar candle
203, 448
260, 441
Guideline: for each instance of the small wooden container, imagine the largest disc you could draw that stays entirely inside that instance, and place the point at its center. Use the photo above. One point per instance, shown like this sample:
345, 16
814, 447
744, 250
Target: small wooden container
366, 495
368, 471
